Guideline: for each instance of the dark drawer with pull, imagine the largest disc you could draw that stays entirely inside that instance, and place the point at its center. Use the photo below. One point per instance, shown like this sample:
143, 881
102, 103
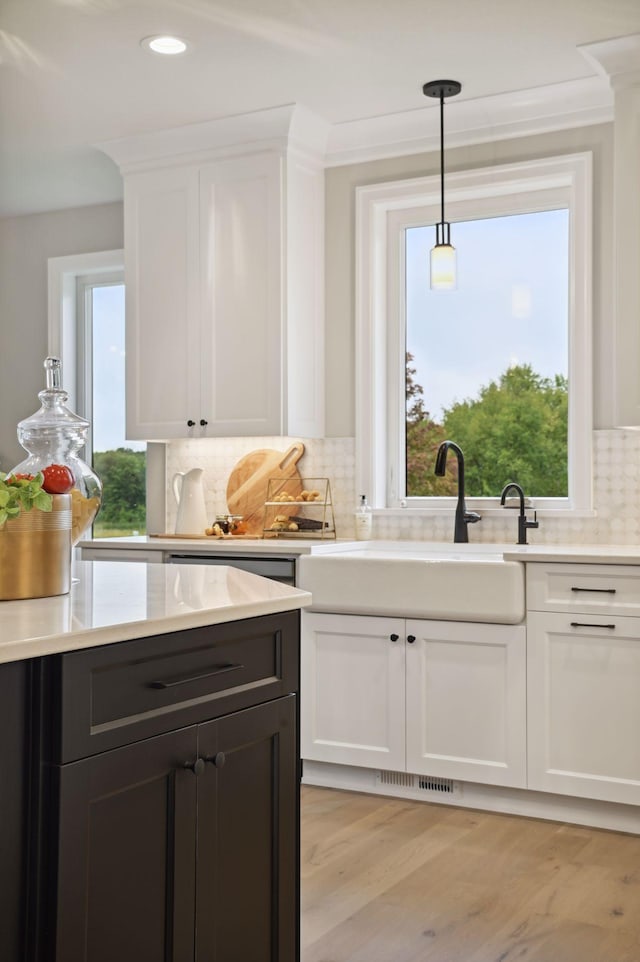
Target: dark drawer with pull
101, 698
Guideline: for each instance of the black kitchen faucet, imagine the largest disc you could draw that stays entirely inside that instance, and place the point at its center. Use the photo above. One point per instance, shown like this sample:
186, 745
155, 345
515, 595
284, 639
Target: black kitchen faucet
463, 517
523, 523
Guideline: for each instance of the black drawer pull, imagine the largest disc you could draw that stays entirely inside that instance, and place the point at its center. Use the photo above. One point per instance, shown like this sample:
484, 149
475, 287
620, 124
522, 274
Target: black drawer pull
587, 624
218, 759
411, 639
602, 591
196, 767
185, 679
393, 637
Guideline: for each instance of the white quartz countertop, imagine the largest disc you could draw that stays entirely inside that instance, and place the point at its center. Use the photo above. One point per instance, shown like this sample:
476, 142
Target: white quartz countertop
122, 600
221, 546
586, 554
578, 554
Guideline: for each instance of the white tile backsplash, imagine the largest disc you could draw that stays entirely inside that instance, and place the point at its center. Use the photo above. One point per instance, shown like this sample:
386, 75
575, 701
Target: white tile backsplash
616, 485
331, 458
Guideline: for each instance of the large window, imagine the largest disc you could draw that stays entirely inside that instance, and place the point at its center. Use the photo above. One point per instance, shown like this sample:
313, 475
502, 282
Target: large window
502, 365
87, 330
487, 363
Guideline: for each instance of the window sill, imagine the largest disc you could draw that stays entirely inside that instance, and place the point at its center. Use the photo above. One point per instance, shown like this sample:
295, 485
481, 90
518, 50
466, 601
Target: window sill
493, 512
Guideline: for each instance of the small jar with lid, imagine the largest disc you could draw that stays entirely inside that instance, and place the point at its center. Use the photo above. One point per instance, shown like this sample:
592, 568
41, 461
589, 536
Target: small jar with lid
53, 436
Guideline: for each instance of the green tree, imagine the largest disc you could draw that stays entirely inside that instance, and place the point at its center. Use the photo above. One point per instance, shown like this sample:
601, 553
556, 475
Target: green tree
423, 436
123, 475
515, 430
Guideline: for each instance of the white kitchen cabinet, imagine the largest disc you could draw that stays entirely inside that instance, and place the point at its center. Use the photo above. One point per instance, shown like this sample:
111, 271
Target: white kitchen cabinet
353, 709
583, 669
466, 701
163, 335
224, 261
427, 697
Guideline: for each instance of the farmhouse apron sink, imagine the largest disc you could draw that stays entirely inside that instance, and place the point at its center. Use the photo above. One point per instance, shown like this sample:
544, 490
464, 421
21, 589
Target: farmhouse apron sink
461, 582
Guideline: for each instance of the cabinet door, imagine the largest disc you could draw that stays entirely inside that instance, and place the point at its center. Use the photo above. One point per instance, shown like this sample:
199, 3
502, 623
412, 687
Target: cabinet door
584, 710
352, 690
241, 295
466, 701
126, 855
164, 350
248, 836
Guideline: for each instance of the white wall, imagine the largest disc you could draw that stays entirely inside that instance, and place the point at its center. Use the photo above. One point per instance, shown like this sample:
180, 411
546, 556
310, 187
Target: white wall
340, 246
26, 243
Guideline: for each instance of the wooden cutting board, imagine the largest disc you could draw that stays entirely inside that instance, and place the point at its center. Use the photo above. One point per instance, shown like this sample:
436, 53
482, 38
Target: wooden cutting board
249, 480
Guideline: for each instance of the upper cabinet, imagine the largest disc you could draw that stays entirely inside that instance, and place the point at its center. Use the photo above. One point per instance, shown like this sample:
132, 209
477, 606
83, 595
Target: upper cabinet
618, 59
224, 252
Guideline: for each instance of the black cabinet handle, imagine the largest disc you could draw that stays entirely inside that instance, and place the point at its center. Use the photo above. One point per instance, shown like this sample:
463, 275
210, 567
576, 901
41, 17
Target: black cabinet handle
393, 637
196, 767
411, 639
190, 423
185, 679
218, 759
203, 423
587, 624
603, 591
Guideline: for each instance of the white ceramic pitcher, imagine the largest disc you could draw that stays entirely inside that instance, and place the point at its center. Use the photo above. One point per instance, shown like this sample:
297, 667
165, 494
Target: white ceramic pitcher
188, 488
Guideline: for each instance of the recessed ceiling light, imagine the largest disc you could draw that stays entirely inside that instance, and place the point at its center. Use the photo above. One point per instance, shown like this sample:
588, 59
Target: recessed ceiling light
164, 44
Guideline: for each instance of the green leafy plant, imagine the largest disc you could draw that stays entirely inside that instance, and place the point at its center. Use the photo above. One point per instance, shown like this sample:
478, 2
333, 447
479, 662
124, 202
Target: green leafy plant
22, 493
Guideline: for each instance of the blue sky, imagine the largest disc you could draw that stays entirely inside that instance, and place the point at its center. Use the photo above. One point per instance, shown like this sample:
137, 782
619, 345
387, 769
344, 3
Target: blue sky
510, 305
108, 419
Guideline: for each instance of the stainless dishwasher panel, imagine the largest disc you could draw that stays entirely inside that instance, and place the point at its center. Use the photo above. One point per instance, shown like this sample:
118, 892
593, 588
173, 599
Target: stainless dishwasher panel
278, 569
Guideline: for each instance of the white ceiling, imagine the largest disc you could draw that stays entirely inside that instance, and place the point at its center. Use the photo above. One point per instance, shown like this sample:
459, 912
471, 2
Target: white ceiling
72, 72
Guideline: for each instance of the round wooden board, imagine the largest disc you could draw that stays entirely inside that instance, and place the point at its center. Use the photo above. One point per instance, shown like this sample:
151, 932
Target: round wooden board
249, 480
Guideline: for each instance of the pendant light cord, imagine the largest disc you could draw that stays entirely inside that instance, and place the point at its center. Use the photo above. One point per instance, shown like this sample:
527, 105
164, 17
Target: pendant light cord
442, 160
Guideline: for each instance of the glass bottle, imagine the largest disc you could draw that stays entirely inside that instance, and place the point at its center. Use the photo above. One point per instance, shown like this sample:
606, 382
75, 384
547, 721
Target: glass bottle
363, 519
54, 435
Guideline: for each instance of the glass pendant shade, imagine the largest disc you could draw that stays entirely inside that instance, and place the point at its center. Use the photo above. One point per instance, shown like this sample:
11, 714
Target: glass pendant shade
443, 267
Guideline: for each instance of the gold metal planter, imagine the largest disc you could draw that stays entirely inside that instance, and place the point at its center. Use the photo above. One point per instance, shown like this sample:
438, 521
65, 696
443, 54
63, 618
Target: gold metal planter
35, 552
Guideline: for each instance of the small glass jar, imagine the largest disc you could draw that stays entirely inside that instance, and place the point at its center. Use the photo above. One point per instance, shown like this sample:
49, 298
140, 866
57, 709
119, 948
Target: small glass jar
55, 435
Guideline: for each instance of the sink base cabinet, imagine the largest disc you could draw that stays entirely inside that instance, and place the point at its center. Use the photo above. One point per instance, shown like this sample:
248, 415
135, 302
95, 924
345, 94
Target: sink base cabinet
164, 811
436, 698
466, 701
353, 675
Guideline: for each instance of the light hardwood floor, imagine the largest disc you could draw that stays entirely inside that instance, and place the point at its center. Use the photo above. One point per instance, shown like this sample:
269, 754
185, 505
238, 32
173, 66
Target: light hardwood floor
387, 880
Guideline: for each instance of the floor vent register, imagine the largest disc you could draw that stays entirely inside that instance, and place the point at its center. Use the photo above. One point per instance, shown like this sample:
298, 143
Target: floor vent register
427, 784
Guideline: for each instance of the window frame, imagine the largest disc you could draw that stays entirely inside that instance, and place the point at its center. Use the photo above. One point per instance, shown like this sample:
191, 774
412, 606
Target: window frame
68, 278
382, 211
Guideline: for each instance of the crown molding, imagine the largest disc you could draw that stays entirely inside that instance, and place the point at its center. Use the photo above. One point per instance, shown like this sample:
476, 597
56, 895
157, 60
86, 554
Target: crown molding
575, 103
539, 110
618, 59
276, 128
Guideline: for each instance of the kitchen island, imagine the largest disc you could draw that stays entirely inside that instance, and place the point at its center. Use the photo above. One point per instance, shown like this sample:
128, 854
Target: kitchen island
149, 765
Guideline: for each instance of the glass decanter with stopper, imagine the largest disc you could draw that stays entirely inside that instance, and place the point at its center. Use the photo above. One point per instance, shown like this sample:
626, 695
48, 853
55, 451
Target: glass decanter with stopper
52, 437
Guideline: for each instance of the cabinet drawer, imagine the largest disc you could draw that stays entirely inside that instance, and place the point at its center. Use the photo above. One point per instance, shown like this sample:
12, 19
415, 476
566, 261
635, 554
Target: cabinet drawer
117, 694
590, 589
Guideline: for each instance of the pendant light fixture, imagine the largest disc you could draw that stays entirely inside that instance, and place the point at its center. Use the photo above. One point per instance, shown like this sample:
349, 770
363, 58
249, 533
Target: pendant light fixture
443, 254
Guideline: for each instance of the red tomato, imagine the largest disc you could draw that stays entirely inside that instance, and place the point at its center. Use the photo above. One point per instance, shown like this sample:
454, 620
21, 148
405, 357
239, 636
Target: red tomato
58, 479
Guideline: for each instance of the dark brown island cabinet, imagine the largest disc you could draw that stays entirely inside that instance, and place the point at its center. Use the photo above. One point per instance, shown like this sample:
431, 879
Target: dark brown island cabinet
149, 799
